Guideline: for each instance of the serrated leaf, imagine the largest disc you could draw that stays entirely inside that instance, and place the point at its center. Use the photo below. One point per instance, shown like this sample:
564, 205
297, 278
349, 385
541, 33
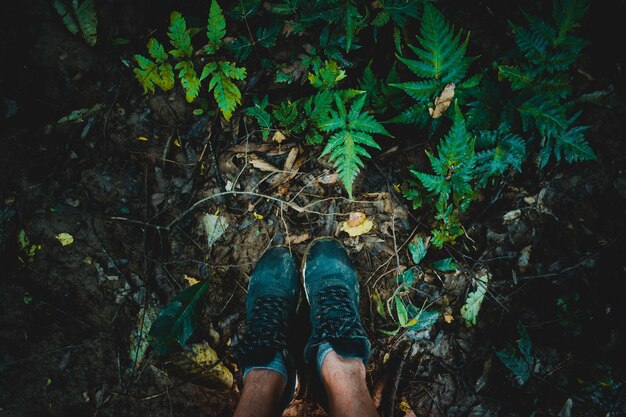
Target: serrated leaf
189, 80
177, 321
519, 362
156, 50
216, 28
475, 299
180, 37
225, 91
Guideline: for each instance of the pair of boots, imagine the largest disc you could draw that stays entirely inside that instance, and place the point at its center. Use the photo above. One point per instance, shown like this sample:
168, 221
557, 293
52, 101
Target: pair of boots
331, 288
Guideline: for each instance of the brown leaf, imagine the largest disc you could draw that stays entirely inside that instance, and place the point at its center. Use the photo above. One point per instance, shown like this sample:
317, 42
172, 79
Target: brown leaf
297, 239
442, 102
261, 164
356, 218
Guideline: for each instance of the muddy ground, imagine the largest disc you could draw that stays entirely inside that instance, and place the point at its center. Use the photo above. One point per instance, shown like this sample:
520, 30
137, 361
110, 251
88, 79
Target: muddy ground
67, 312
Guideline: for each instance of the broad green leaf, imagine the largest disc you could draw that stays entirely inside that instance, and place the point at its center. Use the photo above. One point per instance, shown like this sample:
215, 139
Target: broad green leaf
401, 312
423, 320
177, 321
417, 248
445, 265
87, 20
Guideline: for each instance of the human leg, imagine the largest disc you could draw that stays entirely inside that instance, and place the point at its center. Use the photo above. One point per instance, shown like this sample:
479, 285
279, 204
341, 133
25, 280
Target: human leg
263, 353
338, 343
262, 392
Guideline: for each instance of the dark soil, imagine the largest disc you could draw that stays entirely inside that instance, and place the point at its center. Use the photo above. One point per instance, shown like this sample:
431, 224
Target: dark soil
67, 313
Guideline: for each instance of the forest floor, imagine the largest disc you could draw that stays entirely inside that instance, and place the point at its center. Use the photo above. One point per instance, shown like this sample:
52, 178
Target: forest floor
67, 312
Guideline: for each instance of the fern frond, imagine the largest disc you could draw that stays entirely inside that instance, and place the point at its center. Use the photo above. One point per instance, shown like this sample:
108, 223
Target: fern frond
216, 28
263, 118
571, 144
145, 73
567, 14
419, 90
188, 79
346, 147
180, 37
157, 51
505, 150
352, 22
440, 61
225, 91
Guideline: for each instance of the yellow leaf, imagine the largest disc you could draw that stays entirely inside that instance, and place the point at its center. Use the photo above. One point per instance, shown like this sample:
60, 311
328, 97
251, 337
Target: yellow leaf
177, 142
65, 238
278, 137
258, 216
449, 318
404, 406
357, 224
190, 280
143, 138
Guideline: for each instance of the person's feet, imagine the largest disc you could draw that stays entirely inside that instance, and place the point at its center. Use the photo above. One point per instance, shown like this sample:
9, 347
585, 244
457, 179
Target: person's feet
273, 294
332, 290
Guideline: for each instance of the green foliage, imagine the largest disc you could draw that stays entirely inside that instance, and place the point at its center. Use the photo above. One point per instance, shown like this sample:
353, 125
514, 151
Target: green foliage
445, 265
539, 77
225, 91
440, 61
159, 69
216, 28
475, 299
79, 18
351, 131
449, 187
417, 249
177, 321
519, 361
499, 150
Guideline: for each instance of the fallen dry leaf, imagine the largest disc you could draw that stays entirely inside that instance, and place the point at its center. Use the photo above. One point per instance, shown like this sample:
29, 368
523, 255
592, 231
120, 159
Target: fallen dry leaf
512, 215
190, 280
357, 224
296, 239
261, 164
442, 102
278, 137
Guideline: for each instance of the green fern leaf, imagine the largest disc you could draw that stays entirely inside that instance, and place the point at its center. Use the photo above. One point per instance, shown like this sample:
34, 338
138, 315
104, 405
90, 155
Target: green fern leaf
571, 143
506, 150
146, 72
440, 60
225, 91
516, 77
351, 22
567, 14
216, 28
261, 115
188, 79
419, 90
346, 147
157, 51
179, 36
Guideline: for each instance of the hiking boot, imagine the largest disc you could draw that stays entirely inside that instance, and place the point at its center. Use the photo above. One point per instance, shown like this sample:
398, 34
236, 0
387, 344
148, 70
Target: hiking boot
271, 303
332, 290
